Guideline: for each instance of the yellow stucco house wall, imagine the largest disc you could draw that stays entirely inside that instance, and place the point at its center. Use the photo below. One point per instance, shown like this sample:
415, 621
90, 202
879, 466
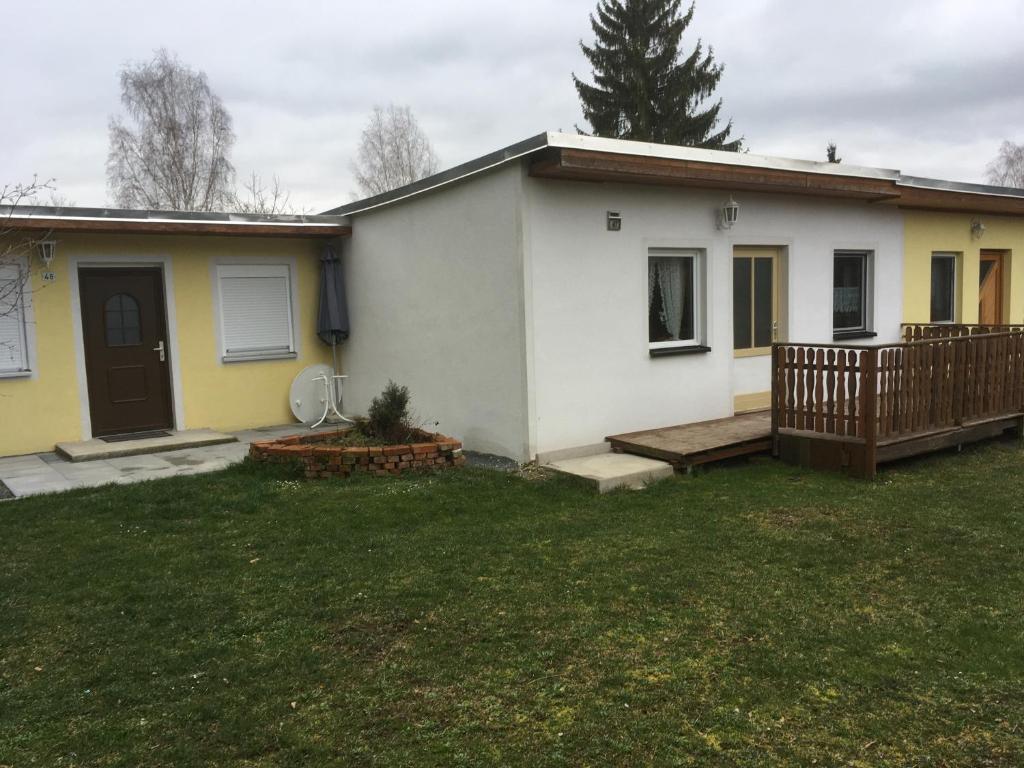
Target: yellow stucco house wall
49, 404
927, 232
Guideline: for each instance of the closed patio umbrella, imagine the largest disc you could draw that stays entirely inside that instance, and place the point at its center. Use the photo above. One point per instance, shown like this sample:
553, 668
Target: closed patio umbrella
332, 317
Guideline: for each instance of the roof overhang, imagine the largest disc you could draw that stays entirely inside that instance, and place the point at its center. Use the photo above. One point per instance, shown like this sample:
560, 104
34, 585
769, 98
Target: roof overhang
589, 165
136, 222
954, 197
687, 167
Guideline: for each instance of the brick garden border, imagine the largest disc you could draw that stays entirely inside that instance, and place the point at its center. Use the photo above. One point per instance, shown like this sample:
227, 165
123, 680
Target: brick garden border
432, 451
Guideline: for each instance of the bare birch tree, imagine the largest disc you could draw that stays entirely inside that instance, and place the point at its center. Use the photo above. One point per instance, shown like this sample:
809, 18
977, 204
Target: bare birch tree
172, 149
1007, 170
393, 151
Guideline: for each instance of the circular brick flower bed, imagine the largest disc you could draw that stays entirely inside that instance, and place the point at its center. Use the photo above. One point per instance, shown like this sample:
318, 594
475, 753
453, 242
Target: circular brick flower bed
321, 459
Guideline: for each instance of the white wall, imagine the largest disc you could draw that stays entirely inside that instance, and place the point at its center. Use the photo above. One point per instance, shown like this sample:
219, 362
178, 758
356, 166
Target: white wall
589, 367
436, 303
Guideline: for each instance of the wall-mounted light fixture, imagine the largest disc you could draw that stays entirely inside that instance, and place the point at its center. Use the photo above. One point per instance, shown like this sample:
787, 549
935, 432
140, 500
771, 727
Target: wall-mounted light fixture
729, 214
977, 229
614, 221
47, 249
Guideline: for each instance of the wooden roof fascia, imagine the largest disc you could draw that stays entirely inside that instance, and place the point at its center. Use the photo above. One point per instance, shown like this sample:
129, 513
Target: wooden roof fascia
582, 165
952, 201
151, 227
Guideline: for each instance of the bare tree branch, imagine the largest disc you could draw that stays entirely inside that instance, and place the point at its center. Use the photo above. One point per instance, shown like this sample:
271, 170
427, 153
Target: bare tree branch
17, 249
260, 198
393, 151
1007, 170
173, 151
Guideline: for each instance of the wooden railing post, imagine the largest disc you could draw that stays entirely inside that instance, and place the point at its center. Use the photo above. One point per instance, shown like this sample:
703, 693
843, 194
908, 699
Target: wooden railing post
959, 375
869, 409
1017, 361
778, 355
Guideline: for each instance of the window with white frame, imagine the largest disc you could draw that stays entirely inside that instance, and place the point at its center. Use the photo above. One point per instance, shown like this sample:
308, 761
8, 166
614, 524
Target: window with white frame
943, 304
674, 294
851, 284
255, 304
13, 334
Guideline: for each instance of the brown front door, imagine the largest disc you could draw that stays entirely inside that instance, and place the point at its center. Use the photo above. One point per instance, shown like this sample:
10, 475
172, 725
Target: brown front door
990, 288
126, 361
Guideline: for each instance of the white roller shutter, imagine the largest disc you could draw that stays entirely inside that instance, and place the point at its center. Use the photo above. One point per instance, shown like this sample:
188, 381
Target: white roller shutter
255, 311
13, 343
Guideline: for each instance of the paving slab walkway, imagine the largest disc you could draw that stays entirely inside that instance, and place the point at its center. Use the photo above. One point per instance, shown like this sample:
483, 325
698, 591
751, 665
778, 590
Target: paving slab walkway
48, 472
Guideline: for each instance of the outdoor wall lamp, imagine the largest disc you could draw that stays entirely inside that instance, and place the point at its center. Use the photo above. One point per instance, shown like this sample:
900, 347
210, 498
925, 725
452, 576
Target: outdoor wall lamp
977, 229
614, 221
47, 248
729, 214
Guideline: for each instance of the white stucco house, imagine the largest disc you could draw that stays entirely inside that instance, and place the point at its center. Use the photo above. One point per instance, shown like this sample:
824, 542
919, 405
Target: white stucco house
567, 288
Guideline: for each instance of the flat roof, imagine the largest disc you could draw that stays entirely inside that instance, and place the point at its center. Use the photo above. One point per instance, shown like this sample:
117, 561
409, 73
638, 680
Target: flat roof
577, 157
135, 221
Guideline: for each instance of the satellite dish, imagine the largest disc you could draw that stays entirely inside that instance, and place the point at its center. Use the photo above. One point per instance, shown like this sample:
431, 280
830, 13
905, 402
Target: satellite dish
307, 396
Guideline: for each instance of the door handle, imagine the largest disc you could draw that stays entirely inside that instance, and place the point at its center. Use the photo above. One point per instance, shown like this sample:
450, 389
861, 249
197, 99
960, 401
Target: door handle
775, 331
160, 348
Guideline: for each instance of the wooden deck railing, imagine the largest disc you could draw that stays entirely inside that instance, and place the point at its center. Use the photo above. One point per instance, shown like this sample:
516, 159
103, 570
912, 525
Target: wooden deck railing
941, 378
924, 332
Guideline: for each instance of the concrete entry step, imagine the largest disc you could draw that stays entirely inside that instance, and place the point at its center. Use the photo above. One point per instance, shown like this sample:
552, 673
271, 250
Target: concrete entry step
607, 471
90, 450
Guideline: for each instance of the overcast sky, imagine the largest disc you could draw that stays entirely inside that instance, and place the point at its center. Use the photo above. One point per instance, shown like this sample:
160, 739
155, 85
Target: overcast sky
930, 87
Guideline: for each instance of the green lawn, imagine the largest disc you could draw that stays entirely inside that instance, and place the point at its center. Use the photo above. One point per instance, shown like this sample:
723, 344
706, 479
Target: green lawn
746, 616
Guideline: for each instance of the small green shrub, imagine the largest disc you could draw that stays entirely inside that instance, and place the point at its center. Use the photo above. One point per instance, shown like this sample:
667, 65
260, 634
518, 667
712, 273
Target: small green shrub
388, 418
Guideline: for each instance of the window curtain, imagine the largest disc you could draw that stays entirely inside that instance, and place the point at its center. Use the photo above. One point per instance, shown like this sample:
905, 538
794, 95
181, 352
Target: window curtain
670, 281
652, 279
846, 300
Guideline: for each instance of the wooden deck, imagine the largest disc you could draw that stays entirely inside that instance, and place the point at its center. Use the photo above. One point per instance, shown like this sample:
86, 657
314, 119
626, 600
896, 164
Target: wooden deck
687, 445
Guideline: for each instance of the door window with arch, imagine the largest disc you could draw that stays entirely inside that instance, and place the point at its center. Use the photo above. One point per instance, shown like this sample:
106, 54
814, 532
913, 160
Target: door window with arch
122, 321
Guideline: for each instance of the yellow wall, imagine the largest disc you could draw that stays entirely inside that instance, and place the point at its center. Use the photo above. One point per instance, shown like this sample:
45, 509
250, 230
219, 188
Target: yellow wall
928, 232
37, 412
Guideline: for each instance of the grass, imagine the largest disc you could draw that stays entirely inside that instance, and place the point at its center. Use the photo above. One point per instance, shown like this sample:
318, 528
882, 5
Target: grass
749, 616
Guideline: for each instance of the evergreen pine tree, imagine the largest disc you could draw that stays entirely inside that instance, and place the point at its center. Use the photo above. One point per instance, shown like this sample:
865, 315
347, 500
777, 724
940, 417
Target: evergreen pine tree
830, 153
642, 90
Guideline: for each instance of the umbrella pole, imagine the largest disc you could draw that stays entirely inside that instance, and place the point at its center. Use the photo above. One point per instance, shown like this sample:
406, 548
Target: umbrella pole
334, 365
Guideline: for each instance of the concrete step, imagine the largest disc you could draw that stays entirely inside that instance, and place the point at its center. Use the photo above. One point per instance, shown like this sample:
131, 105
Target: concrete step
90, 450
607, 471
